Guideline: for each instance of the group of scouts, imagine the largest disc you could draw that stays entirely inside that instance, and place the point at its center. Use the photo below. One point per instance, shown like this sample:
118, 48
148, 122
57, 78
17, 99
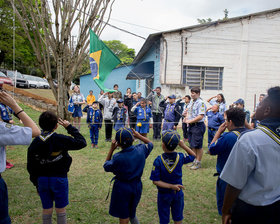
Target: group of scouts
49, 161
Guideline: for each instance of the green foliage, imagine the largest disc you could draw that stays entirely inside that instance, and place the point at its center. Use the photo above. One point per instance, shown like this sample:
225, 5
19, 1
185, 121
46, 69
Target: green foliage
202, 21
125, 54
25, 58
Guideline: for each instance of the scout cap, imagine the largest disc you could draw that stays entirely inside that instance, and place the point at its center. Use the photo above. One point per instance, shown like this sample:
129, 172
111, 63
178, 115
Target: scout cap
239, 101
124, 137
120, 101
171, 139
172, 97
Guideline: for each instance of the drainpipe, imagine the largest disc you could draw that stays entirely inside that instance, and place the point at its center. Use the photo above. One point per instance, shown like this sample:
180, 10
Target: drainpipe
166, 55
182, 51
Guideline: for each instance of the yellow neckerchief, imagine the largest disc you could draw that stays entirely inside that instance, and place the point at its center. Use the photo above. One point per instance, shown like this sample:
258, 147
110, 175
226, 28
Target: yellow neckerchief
237, 133
270, 133
169, 108
168, 168
145, 113
44, 138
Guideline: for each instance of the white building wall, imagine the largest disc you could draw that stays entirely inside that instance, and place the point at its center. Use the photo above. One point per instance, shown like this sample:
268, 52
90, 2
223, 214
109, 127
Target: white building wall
248, 49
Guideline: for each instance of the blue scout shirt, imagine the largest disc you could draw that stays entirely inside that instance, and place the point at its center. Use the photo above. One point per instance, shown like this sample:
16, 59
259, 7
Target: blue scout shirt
196, 108
94, 117
223, 146
143, 113
214, 119
5, 112
168, 168
128, 164
222, 106
255, 158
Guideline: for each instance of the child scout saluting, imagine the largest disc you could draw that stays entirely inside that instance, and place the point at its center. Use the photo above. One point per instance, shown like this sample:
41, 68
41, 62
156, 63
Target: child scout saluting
167, 175
195, 118
143, 114
119, 115
94, 120
127, 165
48, 163
171, 113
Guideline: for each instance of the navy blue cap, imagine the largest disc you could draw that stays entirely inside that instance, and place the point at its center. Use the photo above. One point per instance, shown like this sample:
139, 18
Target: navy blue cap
124, 136
95, 102
172, 97
239, 101
120, 101
171, 139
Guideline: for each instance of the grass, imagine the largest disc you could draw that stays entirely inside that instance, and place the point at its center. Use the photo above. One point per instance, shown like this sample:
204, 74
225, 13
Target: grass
47, 93
89, 186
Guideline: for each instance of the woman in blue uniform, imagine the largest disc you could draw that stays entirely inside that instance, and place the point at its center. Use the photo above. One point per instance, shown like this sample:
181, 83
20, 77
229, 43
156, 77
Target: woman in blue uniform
78, 100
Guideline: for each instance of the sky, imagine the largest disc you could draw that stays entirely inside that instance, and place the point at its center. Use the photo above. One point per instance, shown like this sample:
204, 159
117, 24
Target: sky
152, 16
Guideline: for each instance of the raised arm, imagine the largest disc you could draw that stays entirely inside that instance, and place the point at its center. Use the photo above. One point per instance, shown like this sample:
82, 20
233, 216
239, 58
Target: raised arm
186, 148
6, 99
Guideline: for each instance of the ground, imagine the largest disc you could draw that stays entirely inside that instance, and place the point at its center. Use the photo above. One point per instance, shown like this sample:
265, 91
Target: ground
89, 185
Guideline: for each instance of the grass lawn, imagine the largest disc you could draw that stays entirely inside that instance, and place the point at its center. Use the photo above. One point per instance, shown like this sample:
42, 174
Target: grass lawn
89, 184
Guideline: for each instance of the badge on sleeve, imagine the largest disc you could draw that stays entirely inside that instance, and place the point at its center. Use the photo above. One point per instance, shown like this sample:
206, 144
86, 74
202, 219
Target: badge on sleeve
8, 125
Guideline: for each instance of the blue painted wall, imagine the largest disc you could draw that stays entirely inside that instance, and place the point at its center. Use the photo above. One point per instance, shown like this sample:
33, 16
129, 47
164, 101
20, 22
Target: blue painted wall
152, 55
117, 76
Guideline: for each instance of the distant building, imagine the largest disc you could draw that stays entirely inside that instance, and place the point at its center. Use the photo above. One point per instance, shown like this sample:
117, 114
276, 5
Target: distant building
117, 76
239, 57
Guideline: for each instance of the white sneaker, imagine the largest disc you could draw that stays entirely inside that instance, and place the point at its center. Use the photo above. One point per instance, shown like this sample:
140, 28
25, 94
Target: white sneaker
196, 166
190, 164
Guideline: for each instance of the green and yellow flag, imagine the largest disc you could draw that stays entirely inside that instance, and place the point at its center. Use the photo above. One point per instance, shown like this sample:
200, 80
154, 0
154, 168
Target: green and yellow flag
102, 61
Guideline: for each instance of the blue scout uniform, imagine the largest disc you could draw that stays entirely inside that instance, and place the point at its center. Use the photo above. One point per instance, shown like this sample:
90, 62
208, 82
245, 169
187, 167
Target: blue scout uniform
143, 116
171, 115
196, 130
94, 119
168, 168
9, 135
127, 165
5, 113
119, 117
222, 147
222, 106
255, 158
214, 122
77, 98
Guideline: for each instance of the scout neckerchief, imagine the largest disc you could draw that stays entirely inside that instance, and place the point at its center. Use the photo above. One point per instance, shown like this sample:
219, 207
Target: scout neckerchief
120, 114
270, 133
170, 108
145, 113
237, 133
45, 135
93, 115
170, 166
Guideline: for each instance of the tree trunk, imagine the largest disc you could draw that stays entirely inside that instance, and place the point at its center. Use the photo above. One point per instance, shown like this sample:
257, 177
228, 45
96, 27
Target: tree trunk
62, 90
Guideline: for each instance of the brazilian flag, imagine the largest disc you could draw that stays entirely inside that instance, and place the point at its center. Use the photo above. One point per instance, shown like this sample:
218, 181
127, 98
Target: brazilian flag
102, 61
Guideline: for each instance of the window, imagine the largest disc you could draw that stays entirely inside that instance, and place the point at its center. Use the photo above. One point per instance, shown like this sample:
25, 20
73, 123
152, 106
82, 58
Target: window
207, 78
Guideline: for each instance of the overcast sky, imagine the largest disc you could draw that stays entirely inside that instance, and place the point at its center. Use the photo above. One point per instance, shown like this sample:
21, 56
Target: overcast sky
161, 15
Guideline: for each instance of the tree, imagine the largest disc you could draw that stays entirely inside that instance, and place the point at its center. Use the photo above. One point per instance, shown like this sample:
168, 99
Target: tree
53, 24
25, 58
202, 21
125, 54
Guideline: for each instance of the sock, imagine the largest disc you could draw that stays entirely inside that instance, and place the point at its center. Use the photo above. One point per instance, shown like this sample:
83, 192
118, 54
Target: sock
134, 220
47, 218
61, 218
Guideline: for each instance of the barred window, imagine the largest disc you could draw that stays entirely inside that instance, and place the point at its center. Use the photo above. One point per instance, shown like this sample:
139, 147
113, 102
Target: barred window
207, 78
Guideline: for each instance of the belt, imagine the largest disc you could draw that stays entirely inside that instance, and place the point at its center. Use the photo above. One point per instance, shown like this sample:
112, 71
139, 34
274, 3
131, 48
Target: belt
195, 124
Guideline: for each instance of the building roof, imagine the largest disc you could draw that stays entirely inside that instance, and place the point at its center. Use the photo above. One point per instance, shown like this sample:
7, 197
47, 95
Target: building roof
155, 36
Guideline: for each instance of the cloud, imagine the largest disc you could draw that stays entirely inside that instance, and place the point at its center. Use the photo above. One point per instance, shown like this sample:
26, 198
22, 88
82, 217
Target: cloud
165, 15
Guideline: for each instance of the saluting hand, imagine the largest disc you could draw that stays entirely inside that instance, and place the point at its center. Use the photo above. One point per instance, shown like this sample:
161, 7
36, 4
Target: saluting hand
63, 123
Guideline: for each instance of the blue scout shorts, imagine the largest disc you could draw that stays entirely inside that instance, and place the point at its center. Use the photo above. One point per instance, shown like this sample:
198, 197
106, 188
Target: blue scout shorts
195, 135
53, 189
125, 198
175, 201
4, 213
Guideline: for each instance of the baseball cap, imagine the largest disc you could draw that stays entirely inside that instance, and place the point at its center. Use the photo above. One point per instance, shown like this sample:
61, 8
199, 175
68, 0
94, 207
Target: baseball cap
239, 101
95, 102
172, 97
124, 137
171, 139
120, 101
